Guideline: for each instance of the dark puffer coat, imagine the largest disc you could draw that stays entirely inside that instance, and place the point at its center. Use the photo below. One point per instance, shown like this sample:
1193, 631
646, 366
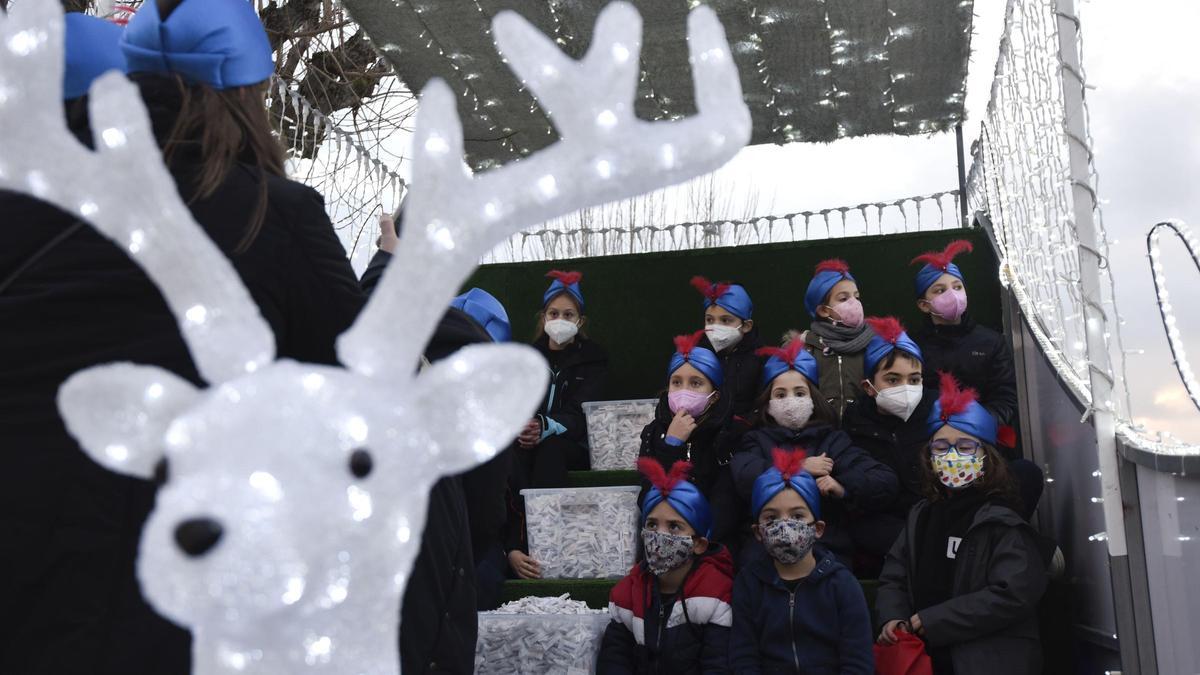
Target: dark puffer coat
743, 373
870, 485
894, 442
990, 624
979, 357
579, 377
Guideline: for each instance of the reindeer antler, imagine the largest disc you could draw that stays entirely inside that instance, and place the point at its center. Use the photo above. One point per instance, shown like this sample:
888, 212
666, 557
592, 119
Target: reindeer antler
604, 154
142, 212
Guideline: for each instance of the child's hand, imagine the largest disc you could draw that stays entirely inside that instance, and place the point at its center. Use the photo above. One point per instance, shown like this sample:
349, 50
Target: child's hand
387, 234
887, 636
524, 566
829, 487
682, 426
917, 627
531, 434
818, 466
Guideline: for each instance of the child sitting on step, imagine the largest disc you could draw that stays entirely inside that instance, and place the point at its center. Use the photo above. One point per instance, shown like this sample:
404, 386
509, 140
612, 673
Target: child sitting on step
671, 613
729, 331
798, 611
838, 335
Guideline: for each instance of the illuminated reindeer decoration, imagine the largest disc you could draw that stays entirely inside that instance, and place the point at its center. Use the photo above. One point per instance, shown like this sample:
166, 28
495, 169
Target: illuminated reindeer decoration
295, 494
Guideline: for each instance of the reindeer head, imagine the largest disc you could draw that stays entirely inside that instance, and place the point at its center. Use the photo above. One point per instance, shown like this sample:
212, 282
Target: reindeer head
294, 495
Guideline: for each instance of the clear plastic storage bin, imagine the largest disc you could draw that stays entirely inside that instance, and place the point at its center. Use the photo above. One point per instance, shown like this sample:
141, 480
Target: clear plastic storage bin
583, 533
615, 431
512, 644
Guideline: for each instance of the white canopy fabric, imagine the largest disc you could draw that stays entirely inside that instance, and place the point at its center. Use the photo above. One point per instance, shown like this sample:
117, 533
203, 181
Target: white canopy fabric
812, 70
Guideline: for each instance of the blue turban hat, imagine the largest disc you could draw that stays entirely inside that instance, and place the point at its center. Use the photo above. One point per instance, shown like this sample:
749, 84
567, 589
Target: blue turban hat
487, 310
678, 491
828, 274
703, 360
219, 43
889, 336
938, 263
959, 408
92, 47
733, 298
564, 282
787, 472
793, 357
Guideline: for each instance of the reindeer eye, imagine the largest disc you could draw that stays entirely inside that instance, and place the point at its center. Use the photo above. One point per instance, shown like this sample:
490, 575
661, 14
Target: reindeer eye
360, 463
160, 471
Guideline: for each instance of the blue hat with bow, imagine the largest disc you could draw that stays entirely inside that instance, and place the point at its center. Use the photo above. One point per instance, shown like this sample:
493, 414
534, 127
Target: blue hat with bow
678, 491
487, 310
92, 47
564, 282
733, 298
219, 43
827, 275
703, 360
938, 263
960, 408
889, 336
793, 357
787, 472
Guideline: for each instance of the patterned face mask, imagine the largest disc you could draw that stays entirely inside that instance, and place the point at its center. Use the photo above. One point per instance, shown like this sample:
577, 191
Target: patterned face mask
666, 551
957, 471
788, 540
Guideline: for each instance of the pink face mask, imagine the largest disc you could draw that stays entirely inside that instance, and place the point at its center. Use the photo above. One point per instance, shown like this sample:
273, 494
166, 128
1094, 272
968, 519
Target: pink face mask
693, 402
849, 312
951, 305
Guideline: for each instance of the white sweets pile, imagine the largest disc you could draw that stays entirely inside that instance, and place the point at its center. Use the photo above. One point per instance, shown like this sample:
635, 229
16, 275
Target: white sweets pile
583, 533
615, 431
539, 635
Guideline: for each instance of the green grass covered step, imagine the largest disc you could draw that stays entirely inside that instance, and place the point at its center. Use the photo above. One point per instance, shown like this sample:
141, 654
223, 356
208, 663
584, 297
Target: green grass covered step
595, 591
580, 479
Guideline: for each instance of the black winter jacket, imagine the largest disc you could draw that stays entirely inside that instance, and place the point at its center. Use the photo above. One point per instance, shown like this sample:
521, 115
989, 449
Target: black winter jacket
990, 624
894, 442
578, 379
821, 628
743, 373
979, 357
870, 485
69, 529
708, 449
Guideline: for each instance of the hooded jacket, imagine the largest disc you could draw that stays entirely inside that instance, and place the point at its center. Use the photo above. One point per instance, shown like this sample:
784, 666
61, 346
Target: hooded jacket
689, 634
979, 357
990, 624
708, 449
870, 485
894, 442
821, 628
743, 373
577, 375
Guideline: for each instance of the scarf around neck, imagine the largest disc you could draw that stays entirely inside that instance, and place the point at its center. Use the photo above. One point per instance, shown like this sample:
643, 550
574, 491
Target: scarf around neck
841, 339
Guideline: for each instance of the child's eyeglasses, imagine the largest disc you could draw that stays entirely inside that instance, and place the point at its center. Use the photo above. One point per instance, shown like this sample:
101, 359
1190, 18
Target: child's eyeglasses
963, 446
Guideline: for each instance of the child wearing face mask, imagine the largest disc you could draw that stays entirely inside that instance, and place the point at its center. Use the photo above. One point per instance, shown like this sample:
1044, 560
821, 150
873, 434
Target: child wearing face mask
729, 331
671, 613
965, 575
798, 610
838, 334
888, 421
791, 417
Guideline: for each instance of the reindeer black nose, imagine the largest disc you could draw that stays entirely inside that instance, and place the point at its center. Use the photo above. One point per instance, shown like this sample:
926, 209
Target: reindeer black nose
198, 535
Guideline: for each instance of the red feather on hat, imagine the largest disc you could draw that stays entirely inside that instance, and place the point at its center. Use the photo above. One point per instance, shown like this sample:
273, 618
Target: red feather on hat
953, 399
942, 259
888, 328
786, 354
652, 469
789, 462
684, 344
567, 278
708, 289
833, 265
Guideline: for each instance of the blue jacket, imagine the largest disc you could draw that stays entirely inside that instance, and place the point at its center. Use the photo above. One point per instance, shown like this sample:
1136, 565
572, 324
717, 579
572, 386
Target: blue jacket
823, 628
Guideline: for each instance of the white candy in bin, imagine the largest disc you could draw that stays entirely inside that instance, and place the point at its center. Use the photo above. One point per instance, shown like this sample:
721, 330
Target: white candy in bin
615, 431
540, 635
583, 533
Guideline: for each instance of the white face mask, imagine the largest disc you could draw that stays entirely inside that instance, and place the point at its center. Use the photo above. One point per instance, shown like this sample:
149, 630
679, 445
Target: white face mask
900, 401
561, 330
723, 337
792, 412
